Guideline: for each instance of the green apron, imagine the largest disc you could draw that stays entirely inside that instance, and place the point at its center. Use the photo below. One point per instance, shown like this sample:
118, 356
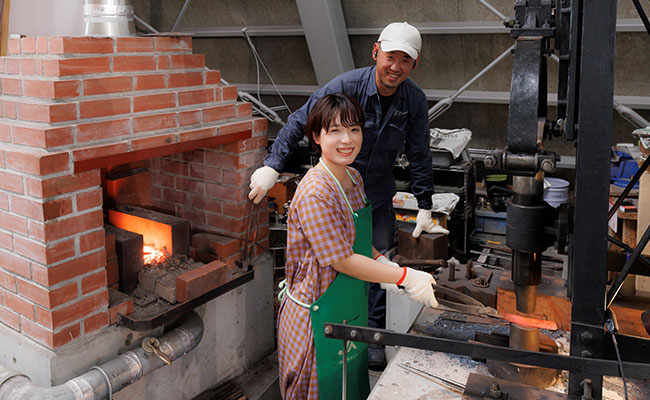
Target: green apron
345, 299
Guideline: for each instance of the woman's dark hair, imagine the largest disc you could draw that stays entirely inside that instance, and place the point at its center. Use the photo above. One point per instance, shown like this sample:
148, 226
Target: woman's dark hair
325, 111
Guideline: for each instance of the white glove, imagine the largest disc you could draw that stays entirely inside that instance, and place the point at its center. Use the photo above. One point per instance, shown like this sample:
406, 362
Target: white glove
418, 287
262, 181
423, 222
391, 287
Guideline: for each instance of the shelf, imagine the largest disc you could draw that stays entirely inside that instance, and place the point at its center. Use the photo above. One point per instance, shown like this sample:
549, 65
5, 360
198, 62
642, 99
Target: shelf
178, 310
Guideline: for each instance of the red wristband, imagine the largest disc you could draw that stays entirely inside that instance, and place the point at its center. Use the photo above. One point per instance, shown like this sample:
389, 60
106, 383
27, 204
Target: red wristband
402, 278
379, 255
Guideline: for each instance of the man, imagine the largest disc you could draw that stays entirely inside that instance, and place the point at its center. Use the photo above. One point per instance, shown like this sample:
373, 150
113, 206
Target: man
396, 117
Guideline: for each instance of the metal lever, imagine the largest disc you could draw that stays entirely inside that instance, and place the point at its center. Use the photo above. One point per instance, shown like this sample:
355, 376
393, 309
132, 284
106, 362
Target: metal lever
152, 345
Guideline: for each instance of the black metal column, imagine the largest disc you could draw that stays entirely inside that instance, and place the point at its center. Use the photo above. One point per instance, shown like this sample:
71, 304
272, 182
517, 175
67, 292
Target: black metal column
592, 186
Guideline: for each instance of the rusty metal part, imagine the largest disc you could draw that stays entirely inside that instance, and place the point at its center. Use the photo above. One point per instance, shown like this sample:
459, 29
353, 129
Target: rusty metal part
478, 386
486, 294
526, 297
526, 374
645, 318
428, 265
452, 272
529, 375
471, 319
468, 270
250, 239
483, 281
524, 337
429, 246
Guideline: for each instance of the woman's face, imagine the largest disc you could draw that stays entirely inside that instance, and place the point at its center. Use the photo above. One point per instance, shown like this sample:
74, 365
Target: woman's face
340, 144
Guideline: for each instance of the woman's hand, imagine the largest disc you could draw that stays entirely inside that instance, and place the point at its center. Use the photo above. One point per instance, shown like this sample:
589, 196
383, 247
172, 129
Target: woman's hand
418, 287
391, 287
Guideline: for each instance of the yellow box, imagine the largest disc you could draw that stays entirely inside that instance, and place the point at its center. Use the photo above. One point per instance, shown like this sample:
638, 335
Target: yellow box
406, 216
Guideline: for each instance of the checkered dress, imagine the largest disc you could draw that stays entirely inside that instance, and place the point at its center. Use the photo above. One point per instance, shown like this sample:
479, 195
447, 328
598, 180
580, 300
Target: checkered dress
320, 233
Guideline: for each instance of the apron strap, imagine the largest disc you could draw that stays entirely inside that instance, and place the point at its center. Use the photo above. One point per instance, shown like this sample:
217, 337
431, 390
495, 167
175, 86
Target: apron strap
284, 290
341, 187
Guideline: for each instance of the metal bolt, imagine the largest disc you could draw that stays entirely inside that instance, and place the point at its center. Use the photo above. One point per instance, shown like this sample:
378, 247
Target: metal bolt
377, 336
586, 389
585, 354
547, 165
315, 308
353, 333
328, 329
587, 338
495, 391
490, 161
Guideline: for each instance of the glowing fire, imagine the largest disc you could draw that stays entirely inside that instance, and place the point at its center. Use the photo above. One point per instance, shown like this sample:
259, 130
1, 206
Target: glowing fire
152, 254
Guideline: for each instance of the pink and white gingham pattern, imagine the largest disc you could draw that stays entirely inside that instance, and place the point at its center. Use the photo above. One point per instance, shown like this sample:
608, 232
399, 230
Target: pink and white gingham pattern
320, 233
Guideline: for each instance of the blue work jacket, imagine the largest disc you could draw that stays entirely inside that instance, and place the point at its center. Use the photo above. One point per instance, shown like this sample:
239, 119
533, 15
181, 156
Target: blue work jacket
405, 126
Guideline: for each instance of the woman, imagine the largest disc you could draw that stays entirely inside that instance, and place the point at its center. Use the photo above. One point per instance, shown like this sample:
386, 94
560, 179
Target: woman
329, 260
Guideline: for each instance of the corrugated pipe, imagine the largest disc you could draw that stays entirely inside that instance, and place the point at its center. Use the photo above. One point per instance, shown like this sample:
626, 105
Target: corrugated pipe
101, 382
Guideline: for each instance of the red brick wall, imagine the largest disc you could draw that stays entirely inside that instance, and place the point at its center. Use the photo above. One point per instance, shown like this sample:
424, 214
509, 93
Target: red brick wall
72, 105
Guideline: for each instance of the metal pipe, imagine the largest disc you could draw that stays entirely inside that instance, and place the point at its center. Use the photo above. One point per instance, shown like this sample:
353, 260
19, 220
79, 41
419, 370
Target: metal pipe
266, 111
180, 15
444, 104
110, 377
630, 115
494, 10
146, 25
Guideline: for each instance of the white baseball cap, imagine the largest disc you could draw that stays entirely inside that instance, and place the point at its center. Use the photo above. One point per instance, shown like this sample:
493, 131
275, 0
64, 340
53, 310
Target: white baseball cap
400, 36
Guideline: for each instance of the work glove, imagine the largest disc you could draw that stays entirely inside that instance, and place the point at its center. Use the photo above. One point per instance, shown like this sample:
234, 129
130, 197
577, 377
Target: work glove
391, 287
262, 181
423, 222
417, 285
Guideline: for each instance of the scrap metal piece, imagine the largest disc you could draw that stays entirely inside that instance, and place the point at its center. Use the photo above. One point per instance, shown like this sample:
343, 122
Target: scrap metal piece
645, 318
427, 264
478, 386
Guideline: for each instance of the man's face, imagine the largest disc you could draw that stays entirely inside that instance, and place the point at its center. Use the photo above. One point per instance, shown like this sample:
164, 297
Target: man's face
393, 68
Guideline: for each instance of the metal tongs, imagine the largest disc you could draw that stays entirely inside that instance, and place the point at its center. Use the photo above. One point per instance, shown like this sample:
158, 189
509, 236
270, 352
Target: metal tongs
468, 305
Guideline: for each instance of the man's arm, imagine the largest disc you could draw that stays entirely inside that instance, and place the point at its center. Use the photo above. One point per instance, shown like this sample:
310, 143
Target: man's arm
421, 168
419, 155
285, 143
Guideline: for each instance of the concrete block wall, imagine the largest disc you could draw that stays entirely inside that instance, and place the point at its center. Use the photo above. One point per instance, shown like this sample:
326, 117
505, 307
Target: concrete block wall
73, 105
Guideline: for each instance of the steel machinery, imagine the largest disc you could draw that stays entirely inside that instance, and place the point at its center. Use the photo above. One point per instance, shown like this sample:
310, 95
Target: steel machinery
582, 35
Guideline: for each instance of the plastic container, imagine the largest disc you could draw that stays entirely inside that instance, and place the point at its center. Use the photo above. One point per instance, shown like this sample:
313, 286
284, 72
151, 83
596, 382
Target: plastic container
556, 191
490, 222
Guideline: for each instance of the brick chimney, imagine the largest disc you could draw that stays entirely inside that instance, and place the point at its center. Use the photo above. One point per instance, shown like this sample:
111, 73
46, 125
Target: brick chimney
74, 105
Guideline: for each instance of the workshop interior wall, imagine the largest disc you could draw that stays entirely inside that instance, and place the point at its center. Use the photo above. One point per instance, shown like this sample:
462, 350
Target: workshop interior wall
448, 61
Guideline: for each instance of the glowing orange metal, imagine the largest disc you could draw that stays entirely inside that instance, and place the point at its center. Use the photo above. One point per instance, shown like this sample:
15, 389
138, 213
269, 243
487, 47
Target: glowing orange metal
531, 322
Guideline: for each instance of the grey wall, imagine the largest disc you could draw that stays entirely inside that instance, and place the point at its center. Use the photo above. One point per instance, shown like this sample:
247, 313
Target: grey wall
448, 60
46, 18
